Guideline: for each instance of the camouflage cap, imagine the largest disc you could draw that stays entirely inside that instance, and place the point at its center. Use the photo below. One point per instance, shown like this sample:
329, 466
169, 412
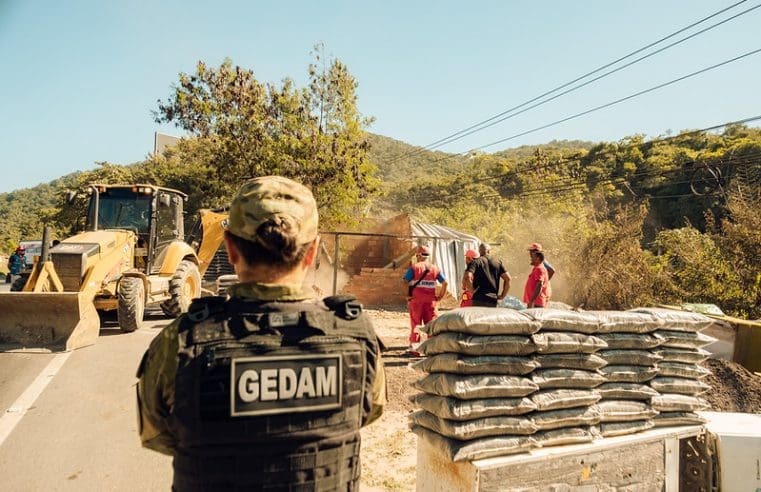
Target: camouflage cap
272, 196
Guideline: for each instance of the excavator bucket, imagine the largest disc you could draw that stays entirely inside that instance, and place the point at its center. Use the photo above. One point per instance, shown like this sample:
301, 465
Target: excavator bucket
58, 321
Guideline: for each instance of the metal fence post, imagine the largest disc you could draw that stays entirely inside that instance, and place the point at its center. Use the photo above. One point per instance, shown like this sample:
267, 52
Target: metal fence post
335, 267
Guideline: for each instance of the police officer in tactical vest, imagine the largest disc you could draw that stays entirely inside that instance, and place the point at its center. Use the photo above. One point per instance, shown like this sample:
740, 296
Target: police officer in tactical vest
267, 389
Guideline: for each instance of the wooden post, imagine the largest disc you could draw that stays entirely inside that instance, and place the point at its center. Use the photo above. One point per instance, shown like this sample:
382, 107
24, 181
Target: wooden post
748, 347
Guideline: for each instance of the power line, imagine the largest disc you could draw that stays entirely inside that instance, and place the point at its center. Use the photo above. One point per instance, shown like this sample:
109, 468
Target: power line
623, 99
607, 105
578, 158
572, 89
655, 171
581, 184
603, 67
570, 184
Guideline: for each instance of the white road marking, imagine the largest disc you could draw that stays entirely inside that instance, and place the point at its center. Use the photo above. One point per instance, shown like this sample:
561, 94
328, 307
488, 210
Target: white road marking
16, 412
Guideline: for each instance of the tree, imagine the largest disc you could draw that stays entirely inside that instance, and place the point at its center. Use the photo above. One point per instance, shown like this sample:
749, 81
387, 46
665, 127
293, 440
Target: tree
246, 128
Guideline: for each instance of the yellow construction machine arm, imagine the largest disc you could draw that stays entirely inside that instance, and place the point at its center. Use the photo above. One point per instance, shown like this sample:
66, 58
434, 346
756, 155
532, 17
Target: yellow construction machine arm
213, 226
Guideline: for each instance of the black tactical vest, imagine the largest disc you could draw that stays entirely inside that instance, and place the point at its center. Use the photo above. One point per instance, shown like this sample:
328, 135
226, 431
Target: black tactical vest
271, 395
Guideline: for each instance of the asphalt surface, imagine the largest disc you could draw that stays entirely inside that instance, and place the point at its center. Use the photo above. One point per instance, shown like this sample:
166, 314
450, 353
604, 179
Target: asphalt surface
80, 433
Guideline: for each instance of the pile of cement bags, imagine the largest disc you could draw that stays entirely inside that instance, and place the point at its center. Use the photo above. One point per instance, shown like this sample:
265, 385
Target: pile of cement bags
625, 405
500, 381
496, 385
678, 380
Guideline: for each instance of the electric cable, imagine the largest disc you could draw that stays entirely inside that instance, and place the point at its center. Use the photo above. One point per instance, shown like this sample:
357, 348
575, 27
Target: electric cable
607, 105
579, 158
570, 186
572, 89
577, 79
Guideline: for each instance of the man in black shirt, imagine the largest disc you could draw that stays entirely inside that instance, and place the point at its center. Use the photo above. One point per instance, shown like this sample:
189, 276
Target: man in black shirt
482, 278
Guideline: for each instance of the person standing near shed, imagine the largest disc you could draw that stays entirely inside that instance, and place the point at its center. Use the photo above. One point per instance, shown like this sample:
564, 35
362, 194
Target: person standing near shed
266, 390
420, 288
483, 277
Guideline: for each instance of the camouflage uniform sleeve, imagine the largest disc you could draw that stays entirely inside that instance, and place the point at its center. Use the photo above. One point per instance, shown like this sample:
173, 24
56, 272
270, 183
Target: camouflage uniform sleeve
379, 391
155, 391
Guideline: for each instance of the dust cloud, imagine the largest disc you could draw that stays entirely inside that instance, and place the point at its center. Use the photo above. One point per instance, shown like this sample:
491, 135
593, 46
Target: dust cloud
559, 236
320, 277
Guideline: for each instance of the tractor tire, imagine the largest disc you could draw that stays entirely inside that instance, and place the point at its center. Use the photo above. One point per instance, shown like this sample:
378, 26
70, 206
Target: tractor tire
131, 305
183, 288
19, 283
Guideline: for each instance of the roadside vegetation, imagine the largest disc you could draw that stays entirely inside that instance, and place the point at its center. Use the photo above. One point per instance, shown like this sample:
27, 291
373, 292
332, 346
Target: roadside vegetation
634, 222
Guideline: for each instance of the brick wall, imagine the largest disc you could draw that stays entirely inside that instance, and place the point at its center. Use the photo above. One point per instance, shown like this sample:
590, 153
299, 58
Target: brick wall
378, 286
360, 252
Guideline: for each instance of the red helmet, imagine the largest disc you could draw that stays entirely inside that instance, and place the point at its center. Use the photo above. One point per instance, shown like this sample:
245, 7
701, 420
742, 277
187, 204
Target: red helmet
471, 253
535, 247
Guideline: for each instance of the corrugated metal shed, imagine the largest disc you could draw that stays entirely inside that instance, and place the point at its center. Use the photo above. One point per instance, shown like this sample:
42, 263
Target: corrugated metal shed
448, 248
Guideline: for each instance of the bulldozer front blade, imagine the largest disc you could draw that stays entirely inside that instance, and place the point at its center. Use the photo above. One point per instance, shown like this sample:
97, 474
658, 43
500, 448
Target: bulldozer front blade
59, 321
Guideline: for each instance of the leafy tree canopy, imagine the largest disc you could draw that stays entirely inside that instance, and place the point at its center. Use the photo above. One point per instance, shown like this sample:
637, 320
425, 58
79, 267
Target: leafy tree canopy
245, 128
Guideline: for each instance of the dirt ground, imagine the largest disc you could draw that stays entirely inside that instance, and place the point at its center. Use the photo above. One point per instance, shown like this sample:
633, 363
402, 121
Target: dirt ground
389, 448
733, 388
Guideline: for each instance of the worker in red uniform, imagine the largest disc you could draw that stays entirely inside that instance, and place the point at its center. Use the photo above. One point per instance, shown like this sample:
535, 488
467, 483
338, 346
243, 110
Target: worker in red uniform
550, 269
535, 290
420, 288
467, 295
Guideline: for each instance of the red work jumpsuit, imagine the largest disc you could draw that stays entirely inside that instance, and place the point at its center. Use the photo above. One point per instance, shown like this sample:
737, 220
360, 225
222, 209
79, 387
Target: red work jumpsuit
423, 303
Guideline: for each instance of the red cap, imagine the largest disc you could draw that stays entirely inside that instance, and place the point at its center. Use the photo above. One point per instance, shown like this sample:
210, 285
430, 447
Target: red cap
535, 247
471, 253
423, 251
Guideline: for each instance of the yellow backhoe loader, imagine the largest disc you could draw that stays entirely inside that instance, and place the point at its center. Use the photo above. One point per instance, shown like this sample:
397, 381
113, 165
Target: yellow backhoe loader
132, 254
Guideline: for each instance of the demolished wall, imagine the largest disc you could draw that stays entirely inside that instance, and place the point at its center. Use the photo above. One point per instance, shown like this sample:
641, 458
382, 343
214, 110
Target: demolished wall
370, 282
393, 247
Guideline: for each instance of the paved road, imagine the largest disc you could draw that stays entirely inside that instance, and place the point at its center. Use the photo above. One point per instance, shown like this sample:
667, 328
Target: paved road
81, 432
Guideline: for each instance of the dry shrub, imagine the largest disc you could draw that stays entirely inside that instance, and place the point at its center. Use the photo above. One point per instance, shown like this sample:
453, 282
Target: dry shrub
740, 241
598, 256
611, 270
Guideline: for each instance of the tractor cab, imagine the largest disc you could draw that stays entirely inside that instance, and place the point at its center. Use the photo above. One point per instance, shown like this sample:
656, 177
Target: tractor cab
153, 213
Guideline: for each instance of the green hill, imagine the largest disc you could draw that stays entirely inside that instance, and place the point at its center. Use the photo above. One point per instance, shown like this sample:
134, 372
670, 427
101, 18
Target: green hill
400, 162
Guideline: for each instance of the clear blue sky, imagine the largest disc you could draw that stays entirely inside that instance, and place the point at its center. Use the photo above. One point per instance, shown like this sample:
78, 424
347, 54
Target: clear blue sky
80, 78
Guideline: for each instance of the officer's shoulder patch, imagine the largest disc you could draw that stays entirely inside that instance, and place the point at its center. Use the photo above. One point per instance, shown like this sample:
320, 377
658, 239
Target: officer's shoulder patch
271, 385
283, 319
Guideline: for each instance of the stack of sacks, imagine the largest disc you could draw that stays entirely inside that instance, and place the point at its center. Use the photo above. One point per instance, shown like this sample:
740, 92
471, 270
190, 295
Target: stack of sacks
569, 371
625, 405
475, 400
678, 380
